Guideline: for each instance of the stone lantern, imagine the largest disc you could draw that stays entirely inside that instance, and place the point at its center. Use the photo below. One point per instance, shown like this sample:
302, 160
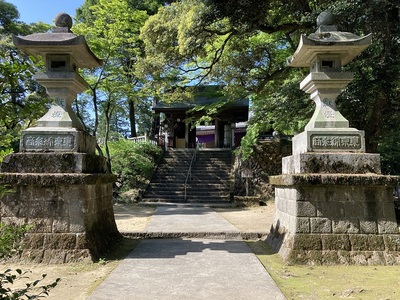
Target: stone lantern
333, 205
325, 52
63, 52
61, 187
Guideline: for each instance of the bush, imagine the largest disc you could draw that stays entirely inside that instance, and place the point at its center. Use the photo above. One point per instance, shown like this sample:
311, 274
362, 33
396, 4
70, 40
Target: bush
9, 238
390, 154
32, 290
248, 142
133, 163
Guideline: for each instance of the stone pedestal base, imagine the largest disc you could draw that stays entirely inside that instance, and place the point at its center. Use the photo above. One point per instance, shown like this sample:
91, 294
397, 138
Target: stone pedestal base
332, 163
329, 140
53, 163
57, 139
335, 208
335, 219
71, 212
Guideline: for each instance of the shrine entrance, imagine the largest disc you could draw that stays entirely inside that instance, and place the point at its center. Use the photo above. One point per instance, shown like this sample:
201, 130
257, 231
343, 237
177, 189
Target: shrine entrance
174, 130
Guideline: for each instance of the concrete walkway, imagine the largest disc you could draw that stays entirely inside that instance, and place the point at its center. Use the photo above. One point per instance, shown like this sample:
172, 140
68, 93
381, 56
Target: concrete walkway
189, 268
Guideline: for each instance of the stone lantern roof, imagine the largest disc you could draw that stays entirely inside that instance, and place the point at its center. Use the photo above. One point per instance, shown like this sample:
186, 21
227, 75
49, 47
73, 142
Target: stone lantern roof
59, 41
328, 41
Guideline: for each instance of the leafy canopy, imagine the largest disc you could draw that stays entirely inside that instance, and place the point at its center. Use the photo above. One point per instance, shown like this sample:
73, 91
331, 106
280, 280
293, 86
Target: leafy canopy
244, 45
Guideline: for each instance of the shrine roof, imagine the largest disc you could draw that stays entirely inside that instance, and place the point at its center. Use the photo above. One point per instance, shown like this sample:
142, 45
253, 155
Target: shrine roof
206, 95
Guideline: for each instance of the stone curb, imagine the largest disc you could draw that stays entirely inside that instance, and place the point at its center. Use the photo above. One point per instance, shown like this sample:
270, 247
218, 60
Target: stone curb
40, 179
208, 235
334, 179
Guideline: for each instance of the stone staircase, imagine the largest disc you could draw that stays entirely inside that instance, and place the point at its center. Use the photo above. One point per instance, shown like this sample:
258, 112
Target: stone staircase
210, 183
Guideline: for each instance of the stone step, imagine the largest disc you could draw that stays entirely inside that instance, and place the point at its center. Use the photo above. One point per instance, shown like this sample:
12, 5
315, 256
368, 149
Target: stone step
171, 171
200, 190
215, 174
210, 183
163, 200
208, 179
191, 184
208, 200
196, 175
170, 180
190, 199
192, 204
169, 196
181, 194
219, 204
216, 169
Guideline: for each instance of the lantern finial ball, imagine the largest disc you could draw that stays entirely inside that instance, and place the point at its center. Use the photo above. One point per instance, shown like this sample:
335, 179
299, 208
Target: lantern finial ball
326, 18
63, 20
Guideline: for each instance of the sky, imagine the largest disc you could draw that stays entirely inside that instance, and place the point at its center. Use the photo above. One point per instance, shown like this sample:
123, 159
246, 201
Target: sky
31, 11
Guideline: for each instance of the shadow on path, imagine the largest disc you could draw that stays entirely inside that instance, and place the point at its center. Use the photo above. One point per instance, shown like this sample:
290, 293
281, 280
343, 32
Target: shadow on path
170, 248
196, 269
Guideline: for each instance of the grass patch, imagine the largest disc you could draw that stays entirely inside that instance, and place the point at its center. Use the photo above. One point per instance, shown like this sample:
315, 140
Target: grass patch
329, 282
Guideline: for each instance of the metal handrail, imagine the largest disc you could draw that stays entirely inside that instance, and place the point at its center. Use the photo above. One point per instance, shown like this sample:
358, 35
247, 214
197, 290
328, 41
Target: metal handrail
189, 173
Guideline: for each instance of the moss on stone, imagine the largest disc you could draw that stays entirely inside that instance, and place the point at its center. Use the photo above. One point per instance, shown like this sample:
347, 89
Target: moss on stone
336, 242
307, 242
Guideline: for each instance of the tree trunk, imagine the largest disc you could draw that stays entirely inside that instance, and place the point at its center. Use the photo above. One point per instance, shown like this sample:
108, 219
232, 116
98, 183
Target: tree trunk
132, 117
96, 119
108, 112
374, 127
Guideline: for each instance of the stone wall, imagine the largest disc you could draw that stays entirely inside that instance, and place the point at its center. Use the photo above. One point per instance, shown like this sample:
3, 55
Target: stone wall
266, 161
336, 219
71, 214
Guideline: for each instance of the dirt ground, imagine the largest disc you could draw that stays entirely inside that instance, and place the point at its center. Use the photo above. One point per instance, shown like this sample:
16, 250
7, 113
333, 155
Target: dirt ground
79, 280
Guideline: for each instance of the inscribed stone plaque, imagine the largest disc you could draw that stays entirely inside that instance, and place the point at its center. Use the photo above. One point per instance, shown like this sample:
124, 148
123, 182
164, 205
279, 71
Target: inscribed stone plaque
48, 141
336, 142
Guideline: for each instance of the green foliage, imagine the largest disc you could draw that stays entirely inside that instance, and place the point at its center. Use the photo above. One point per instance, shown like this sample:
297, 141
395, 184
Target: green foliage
30, 291
244, 45
285, 108
10, 237
4, 153
371, 101
389, 149
112, 30
132, 162
8, 17
22, 100
206, 41
248, 142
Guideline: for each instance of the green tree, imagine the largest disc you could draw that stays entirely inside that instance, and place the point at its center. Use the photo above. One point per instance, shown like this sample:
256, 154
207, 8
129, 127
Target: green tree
22, 100
203, 42
112, 29
8, 16
371, 102
240, 44
244, 45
